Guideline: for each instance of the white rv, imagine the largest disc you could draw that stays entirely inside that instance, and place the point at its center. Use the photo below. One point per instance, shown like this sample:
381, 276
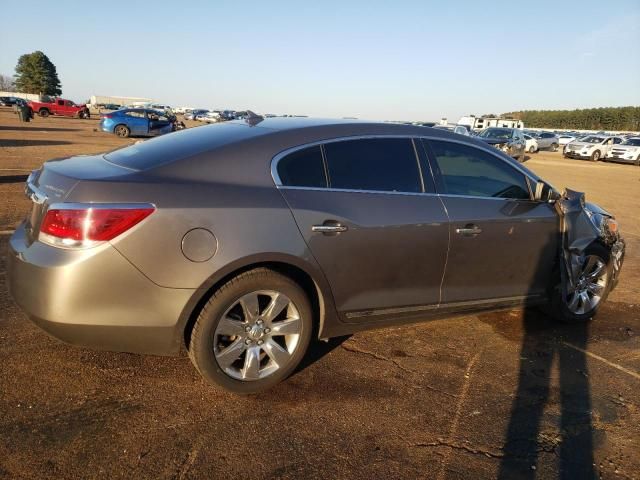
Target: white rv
480, 123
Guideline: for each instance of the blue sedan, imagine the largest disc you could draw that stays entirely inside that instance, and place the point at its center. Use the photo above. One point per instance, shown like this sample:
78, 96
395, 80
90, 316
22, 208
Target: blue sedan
140, 122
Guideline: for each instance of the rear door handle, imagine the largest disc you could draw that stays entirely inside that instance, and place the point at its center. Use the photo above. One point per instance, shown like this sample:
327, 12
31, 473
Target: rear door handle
469, 230
329, 228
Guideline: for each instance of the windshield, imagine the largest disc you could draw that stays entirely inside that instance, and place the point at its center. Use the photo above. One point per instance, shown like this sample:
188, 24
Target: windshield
501, 133
632, 141
592, 139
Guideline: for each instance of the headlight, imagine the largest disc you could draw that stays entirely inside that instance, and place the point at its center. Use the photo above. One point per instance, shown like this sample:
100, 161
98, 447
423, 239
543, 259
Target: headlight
611, 224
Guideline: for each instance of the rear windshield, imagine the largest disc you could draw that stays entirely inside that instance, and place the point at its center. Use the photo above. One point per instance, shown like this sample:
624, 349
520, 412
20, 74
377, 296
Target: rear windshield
179, 145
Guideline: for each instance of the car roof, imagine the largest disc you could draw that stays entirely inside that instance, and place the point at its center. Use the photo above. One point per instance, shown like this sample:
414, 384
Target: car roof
243, 149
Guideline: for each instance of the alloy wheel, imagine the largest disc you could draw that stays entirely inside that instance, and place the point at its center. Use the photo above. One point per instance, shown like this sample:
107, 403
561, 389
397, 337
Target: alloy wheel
257, 335
592, 277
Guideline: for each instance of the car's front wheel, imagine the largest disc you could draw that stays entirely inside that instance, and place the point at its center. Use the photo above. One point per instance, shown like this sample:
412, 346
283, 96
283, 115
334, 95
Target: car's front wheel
253, 332
593, 273
532, 149
595, 156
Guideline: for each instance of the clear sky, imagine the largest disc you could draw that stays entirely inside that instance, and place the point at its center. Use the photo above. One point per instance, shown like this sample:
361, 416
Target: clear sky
395, 60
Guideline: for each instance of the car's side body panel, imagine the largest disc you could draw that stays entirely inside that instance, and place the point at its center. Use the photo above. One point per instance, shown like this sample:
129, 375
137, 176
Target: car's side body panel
392, 254
387, 268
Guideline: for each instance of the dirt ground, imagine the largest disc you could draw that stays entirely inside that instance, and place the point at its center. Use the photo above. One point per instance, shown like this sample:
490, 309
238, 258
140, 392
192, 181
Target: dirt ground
506, 394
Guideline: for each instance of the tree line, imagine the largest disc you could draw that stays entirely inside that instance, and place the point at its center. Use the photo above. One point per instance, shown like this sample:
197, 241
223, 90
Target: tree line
606, 118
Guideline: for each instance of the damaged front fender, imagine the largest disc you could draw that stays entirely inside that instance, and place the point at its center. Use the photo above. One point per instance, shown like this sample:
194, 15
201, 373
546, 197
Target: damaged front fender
581, 224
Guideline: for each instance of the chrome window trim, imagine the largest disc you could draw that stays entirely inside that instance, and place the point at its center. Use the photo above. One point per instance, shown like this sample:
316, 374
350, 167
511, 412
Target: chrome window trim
347, 190
419, 194
486, 148
276, 159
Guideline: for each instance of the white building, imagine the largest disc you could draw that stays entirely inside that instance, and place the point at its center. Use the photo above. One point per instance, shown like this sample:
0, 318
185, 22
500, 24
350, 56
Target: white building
104, 100
27, 96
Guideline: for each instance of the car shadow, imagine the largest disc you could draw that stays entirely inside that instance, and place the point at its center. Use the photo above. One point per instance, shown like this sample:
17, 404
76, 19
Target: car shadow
32, 143
37, 128
318, 350
546, 343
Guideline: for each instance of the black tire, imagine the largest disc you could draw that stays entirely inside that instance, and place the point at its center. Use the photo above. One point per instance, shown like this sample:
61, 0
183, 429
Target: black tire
201, 346
532, 149
554, 147
44, 113
122, 131
559, 308
595, 156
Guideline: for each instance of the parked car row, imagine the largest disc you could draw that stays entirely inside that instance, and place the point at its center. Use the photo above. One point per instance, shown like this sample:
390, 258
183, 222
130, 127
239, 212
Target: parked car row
601, 147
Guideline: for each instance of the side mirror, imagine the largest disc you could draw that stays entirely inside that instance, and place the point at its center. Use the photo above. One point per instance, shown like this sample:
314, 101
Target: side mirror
544, 193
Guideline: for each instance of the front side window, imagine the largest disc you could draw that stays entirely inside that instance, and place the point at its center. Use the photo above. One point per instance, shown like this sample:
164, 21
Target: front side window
376, 164
303, 168
470, 171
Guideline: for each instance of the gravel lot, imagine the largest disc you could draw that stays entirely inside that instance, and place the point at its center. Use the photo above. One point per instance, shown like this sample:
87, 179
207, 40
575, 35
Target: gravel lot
502, 394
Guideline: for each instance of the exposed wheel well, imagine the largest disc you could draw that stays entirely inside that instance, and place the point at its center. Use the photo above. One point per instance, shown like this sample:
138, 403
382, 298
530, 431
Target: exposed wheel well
296, 274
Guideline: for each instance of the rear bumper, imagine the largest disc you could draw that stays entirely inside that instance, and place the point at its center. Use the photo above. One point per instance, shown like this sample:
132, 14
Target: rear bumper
94, 298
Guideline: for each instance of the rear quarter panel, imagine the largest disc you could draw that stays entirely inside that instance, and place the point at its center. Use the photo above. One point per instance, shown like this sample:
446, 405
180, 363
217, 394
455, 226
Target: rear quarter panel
248, 222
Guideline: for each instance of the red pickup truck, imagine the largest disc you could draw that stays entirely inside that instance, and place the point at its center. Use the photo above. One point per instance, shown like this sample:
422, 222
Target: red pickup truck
59, 106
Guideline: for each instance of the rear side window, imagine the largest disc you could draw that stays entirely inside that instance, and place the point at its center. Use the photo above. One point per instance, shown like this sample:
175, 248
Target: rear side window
303, 168
470, 171
378, 164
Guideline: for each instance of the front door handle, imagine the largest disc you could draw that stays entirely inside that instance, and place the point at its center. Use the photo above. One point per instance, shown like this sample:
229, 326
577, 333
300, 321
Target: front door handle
329, 228
469, 230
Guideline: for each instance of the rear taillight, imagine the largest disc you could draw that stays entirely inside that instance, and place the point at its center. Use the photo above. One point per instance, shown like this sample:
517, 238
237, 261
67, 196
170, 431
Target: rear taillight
107, 116
86, 227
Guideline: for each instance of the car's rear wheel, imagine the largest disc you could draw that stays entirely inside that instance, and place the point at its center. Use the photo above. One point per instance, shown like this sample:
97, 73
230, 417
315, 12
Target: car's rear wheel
532, 149
594, 271
554, 147
595, 156
44, 113
122, 131
253, 332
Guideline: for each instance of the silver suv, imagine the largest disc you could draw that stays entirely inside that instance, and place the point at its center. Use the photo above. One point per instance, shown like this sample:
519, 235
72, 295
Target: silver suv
241, 242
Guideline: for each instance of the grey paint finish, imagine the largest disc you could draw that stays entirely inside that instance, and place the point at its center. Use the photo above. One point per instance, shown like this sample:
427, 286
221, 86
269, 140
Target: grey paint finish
512, 256
386, 234
399, 258
199, 245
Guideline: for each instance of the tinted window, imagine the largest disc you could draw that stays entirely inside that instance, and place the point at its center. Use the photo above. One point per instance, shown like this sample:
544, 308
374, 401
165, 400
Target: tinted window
303, 168
379, 164
468, 170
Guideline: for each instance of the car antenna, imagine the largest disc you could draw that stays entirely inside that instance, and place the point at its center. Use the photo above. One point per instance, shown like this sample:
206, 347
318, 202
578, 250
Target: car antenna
253, 118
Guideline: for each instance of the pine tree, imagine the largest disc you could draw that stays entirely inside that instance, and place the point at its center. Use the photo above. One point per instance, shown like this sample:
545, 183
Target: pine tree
35, 73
